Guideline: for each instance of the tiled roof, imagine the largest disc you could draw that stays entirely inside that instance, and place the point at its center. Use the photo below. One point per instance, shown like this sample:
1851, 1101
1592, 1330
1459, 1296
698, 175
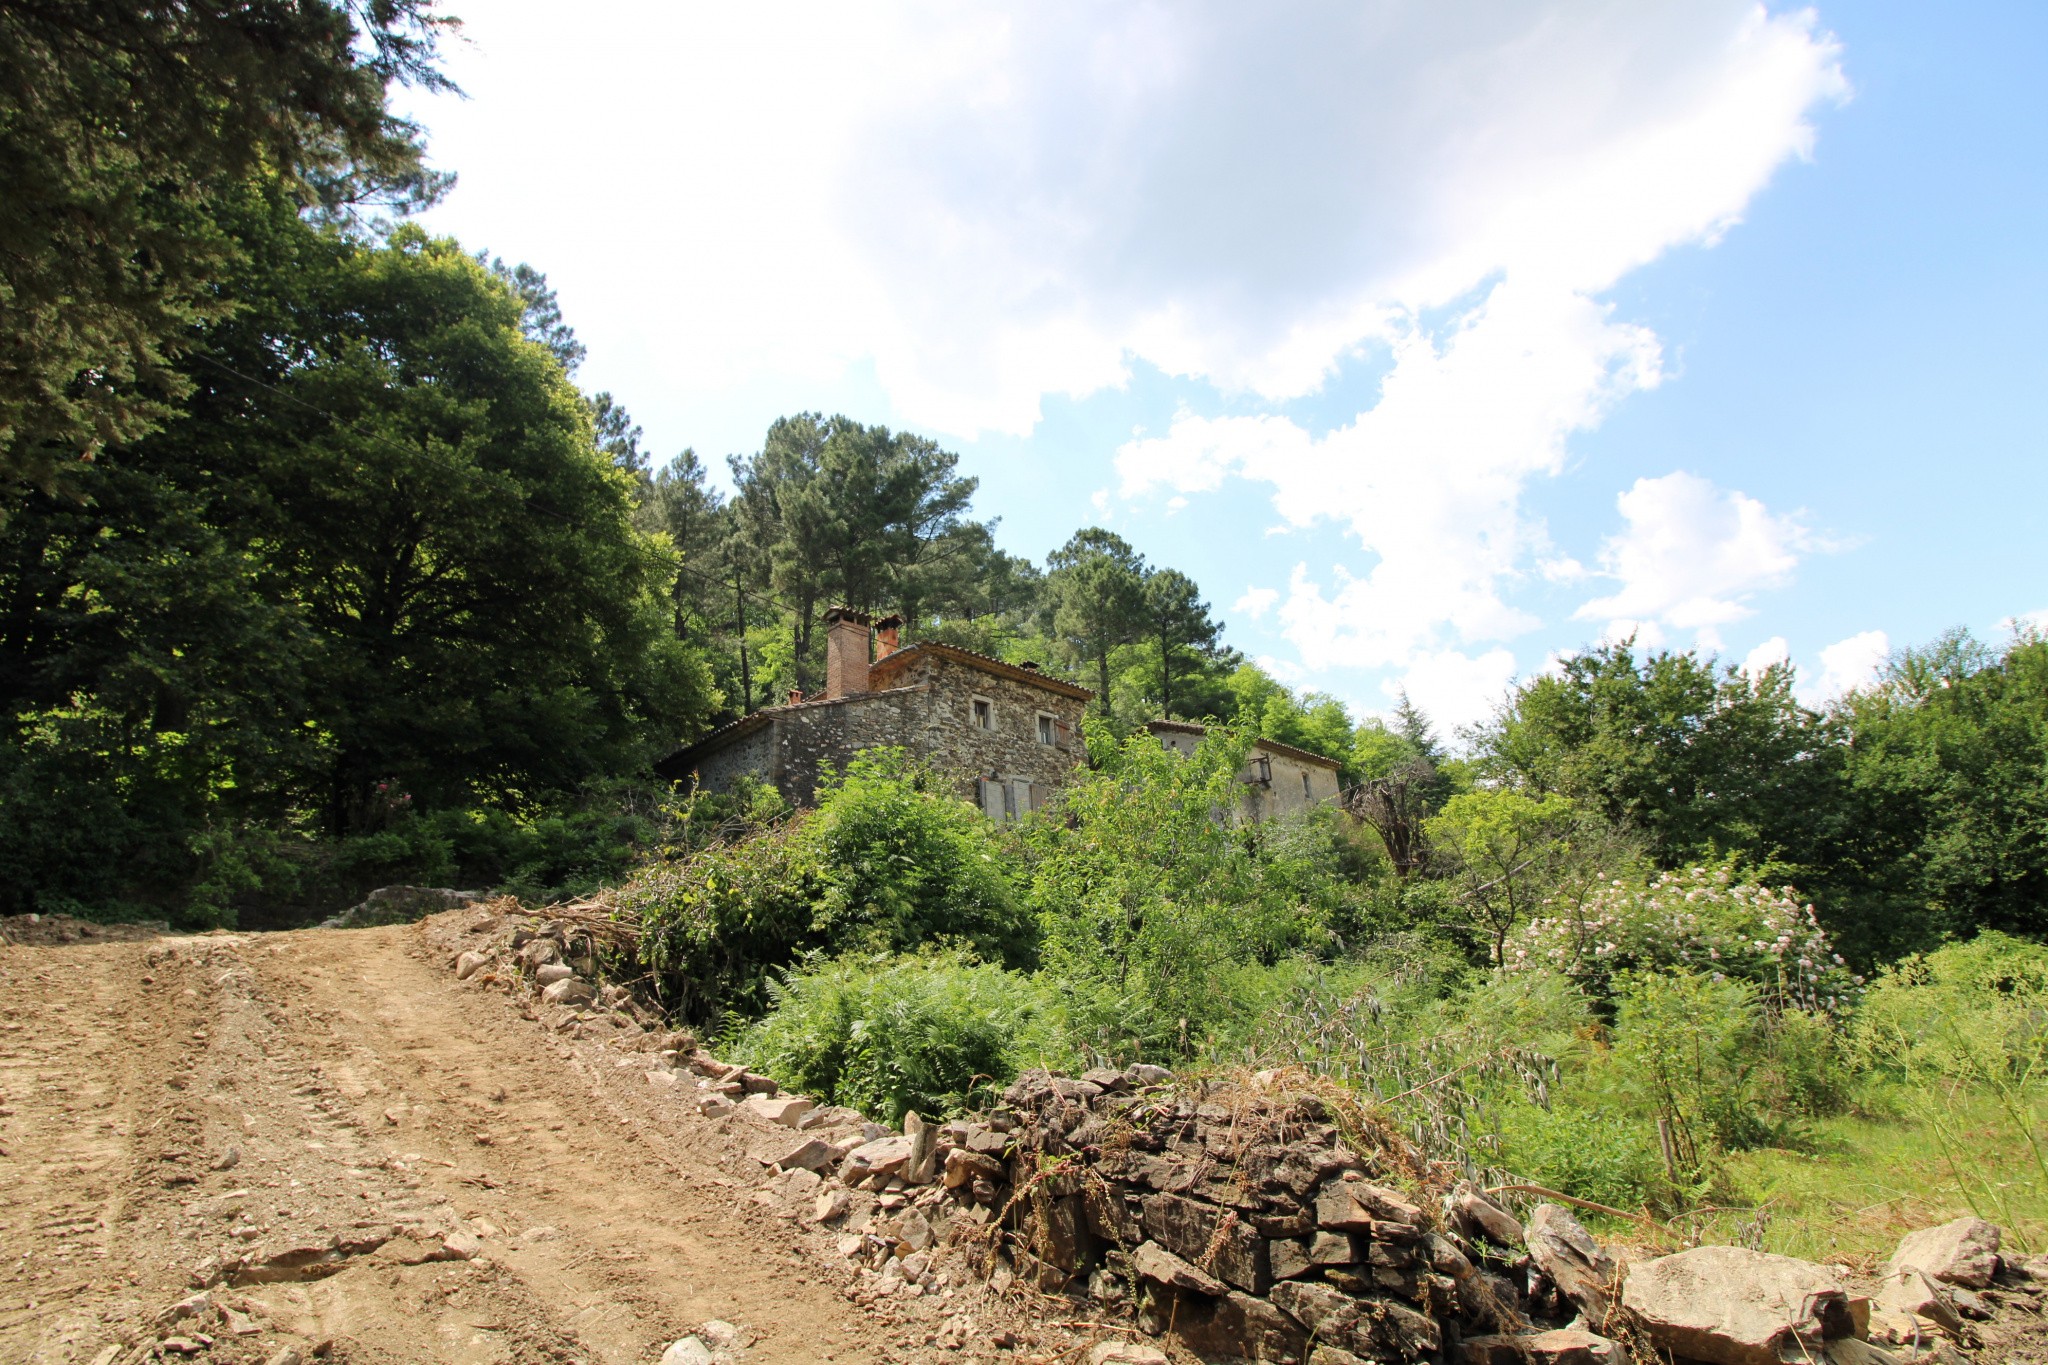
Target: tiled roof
1182, 727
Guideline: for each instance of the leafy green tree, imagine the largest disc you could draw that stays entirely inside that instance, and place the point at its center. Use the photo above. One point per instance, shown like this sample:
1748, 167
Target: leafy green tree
1700, 760
1178, 623
1095, 599
119, 122
1506, 850
845, 513
377, 565
1148, 894
1946, 807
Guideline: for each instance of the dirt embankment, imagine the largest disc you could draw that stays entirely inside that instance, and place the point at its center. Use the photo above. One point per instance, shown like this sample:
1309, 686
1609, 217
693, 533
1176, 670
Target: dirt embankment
391, 1167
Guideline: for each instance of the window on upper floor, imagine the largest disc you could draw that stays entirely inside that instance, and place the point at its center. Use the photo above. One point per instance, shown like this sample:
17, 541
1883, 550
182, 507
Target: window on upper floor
982, 714
1048, 728
1304, 785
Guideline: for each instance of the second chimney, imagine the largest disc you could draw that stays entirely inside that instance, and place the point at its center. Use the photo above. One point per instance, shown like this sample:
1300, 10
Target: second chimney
887, 637
846, 652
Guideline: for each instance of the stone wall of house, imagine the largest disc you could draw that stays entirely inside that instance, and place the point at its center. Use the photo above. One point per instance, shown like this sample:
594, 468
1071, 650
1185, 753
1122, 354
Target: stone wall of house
1011, 748
1286, 795
754, 753
931, 715
809, 738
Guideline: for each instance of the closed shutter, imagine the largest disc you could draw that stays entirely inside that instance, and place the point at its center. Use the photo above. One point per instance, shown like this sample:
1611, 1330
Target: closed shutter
1020, 798
1062, 734
991, 793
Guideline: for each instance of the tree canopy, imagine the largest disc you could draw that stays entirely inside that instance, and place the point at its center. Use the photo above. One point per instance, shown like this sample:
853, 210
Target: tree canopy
120, 123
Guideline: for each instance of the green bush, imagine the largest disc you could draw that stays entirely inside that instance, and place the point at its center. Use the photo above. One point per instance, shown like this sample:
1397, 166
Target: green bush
938, 1033
906, 862
1966, 1021
1583, 1148
888, 862
1150, 895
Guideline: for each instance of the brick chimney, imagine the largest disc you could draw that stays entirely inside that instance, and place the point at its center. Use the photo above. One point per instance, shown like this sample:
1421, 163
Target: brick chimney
846, 652
887, 637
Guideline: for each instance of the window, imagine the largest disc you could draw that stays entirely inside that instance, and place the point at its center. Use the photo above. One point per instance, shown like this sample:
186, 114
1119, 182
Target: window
1048, 728
1005, 800
1305, 793
983, 714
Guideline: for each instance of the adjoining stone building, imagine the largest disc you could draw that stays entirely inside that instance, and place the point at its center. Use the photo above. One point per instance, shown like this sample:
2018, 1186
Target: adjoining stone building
1010, 734
1279, 779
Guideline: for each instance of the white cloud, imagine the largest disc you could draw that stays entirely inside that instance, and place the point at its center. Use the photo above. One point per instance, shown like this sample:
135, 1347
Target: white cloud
1691, 555
980, 206
1766, 656
1455, 689
993, 203
1848, 664
1429, 480
1256, 602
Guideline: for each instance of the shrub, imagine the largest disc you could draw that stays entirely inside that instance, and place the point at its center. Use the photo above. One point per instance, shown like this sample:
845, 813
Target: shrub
1149, 895
715, 926
906, 862
1699, 920
1583, 1148
1968, 1019
938, 1033
888, 862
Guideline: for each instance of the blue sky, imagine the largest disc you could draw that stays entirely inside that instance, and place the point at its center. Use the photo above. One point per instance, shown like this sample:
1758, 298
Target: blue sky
1432, 339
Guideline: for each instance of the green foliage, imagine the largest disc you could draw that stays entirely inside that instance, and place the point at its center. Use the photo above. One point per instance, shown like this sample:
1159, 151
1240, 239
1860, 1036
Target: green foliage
1095, 600
1146, 888
936, 1032
1513, 854
1700, 761
1969, 1019
1947, 776
1586, 1146
119, 123
378, 567
887, 863
908, 863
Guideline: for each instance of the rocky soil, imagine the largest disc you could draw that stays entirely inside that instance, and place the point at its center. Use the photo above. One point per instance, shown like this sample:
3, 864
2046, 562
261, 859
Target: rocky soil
350, 1155
451, 1141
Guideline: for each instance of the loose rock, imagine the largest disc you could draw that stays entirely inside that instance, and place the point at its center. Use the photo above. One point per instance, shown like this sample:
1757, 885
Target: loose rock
1562, 1249
1734, 1306
1964, 1252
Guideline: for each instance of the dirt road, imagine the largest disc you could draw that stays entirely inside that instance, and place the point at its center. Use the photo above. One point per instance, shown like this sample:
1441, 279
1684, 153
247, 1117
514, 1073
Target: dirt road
334, 1101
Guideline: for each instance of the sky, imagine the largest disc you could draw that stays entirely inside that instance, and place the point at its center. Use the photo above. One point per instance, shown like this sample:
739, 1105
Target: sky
1436, 339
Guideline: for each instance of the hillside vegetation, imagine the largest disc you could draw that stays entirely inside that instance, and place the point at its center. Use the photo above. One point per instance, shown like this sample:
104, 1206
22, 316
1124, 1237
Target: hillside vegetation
319, 571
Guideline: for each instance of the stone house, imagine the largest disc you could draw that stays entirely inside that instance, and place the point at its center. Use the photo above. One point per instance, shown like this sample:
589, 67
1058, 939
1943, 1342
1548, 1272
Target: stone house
1008, 733
1279, 778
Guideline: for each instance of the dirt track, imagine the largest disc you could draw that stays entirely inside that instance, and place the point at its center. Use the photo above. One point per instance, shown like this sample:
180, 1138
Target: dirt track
303, 1096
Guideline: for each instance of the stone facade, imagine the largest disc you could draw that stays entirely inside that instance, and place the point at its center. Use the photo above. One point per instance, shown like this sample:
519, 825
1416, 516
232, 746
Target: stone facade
1279, 779
1009, 735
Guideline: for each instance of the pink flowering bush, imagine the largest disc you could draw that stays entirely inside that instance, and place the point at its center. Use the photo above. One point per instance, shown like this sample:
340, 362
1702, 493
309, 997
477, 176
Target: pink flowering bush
1698, 920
